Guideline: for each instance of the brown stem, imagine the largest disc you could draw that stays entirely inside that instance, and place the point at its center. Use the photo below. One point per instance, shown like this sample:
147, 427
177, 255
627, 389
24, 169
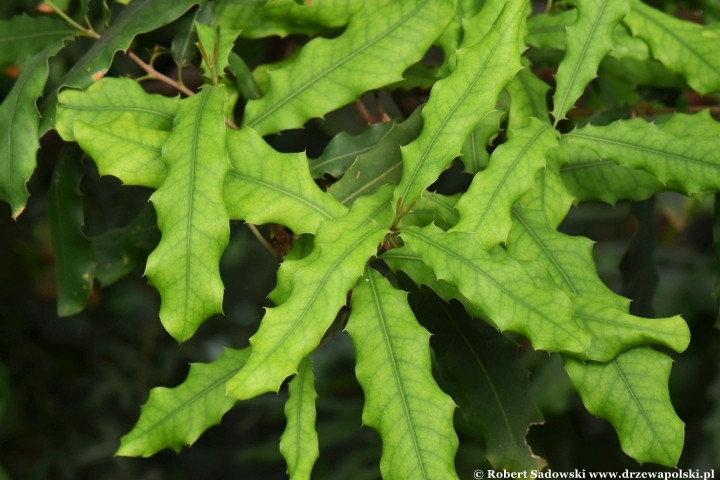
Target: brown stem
363, 112
159, 76
261, 239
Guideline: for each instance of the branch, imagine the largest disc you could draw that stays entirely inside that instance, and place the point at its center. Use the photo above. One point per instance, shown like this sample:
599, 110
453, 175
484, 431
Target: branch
159, 76
261, 239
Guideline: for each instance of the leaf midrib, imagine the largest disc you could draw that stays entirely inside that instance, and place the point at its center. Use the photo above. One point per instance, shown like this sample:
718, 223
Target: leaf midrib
391, 353
120, 108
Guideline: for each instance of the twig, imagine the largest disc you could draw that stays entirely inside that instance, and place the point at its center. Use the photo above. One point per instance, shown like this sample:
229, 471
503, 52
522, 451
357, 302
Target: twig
159, 76
152, 73
363, 112
261, 239
87, 31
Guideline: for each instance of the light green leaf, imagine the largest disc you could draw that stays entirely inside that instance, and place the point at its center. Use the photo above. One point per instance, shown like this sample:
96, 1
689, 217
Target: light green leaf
405, 259
487, 380
191, 216
701, 123
379, 166
547, 31
402, 401
682, 46
120, 251
283, 17
499, 287
310, 292
590, 178
22, 37
138, 17
74, 259
19, 120
375, 49
614, 331
215, 45
299, 441
262, 73
477, 26
417, 75
265, 186
549, 193
176, 417
588, 40
485, 208
110, 98
344, 148
689, 161
459, 102
569, 259
631, 393
473, 153
125, 149
527, 99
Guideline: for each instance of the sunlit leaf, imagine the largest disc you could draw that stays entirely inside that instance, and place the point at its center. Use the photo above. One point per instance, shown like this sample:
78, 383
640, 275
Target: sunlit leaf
191, 216
176, 417
373, 51
402, 401
459, 102
312, 291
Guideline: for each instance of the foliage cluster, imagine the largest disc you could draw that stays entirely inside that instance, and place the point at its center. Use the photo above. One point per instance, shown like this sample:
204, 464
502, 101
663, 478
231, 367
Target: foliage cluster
368, 243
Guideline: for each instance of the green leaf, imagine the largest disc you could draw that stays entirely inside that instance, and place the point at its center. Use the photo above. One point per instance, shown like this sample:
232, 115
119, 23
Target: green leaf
488, 382
569, 259
183, 47
22, 37
110, 98
485, 208
215, 45
474, 154
590, 178
299, 442
547, 31
417, 75
689, 161
191, 216
120, 251
432, 207
375, 49
402, 401
310, 292
265, 186
125, 149
499, 287
701, 123
549, 193
459, 102
19, 120
527, 99
682, 46
244, 79
405, 259
284, 17
74, 260
379, 166
344, 149
614, 330
631, 393
588, 40
176, 417
138, 17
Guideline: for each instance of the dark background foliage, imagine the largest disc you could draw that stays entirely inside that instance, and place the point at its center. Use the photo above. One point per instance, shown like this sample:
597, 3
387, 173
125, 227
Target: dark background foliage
71, 387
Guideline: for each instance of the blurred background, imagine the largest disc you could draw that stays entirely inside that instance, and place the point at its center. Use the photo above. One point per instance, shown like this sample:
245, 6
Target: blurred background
71, 387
